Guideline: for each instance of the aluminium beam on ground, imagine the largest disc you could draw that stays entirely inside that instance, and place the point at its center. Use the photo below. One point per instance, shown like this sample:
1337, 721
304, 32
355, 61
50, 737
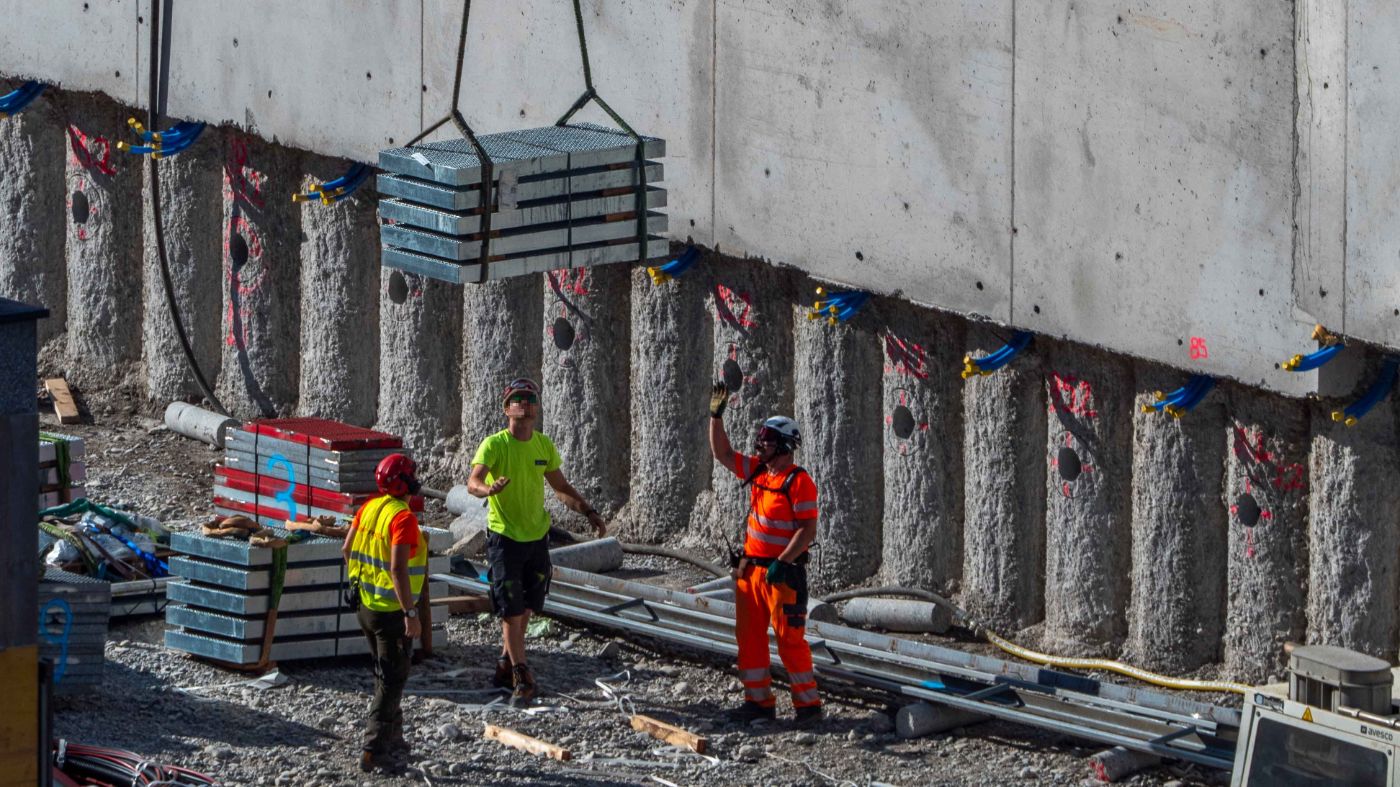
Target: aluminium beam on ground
1109, 713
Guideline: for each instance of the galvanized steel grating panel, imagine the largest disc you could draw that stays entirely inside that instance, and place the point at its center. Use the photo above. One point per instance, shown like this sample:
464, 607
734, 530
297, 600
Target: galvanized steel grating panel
316, 548
467, 198
455, 162
461, 222
518, 244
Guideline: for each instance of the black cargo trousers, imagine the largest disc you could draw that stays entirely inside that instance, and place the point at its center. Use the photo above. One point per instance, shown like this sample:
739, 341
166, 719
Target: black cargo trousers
391, 651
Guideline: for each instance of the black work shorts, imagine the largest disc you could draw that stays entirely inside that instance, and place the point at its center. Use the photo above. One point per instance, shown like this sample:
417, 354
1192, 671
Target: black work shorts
519, 572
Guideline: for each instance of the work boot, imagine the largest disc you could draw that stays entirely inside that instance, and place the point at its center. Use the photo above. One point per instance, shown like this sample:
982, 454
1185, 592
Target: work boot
387, 762
503, 679
809, 716
751, 712
525, 688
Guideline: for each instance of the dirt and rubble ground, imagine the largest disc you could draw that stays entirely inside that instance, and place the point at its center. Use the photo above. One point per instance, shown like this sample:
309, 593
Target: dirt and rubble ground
172, 708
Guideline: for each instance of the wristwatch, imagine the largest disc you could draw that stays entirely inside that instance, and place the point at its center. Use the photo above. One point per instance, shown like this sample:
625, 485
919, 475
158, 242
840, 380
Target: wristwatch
411, 612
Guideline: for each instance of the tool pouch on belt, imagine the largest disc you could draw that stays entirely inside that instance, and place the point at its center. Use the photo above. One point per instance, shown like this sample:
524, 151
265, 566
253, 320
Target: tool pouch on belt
352, 595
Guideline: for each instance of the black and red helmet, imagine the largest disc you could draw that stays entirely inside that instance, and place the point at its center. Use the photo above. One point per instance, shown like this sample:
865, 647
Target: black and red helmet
520, 385
397, 475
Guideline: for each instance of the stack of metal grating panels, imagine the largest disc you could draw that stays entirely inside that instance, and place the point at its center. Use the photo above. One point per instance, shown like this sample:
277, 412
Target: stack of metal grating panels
562, 197
296, 468
73, 627
218, 605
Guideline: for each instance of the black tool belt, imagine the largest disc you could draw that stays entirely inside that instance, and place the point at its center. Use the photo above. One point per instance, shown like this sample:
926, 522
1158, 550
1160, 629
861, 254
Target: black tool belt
765, 562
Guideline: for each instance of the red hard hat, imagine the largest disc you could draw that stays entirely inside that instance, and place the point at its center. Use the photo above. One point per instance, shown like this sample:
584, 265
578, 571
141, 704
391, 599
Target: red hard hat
395, 475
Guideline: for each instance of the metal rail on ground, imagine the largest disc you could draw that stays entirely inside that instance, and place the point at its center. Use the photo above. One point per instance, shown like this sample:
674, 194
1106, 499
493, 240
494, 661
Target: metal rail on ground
1112, 714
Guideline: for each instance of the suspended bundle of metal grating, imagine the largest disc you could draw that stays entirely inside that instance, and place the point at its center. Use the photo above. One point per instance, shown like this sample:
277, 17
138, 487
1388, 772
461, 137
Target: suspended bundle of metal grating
73, 627
561, 197
219, 605
296, 468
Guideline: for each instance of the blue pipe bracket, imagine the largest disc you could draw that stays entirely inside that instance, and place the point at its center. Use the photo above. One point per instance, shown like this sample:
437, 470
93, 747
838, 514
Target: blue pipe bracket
1184, 399
838, 306
1374, 395
15, 101
660, 274
333, 191
162, 144
995, 360
1332, 344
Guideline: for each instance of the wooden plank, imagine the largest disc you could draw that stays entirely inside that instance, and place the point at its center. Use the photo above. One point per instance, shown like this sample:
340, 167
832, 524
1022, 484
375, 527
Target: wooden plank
465, 605
519, 740
63, 403
669, 733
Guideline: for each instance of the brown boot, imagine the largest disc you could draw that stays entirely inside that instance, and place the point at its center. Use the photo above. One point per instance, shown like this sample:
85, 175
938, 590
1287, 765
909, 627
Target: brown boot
503, 679
525, 688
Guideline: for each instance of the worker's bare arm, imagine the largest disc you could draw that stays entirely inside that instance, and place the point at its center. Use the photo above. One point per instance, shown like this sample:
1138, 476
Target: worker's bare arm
803, 538
719, 444
477, 486
571, 498
399, 555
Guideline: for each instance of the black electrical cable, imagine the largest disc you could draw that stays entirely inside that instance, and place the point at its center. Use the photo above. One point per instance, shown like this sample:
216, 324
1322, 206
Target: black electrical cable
158, 223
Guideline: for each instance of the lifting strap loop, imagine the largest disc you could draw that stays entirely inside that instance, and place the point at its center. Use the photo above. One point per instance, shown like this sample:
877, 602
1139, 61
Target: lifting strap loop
590, 93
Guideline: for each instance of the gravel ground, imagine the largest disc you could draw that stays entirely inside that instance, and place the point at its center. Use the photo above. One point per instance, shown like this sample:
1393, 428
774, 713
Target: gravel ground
175, 709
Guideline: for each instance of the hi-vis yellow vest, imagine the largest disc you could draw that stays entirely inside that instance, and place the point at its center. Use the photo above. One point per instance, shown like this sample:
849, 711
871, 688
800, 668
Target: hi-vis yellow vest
369, 556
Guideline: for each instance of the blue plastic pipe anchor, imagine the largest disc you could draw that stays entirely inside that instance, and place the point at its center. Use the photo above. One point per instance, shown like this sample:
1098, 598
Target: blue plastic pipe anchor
336, 189
1306, 363
998, 358
1373, 396
660, 274
15, 101
838, 306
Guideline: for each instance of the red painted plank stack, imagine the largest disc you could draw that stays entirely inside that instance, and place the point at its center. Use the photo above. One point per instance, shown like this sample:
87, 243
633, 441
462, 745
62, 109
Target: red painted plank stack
297, 468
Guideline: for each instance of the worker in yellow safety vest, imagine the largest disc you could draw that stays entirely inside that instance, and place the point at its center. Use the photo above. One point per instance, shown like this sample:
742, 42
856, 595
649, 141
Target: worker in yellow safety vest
387, 561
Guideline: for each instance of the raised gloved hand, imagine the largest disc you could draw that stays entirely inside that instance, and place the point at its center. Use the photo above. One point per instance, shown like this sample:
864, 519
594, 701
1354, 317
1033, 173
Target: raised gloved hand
780, 573
719, 397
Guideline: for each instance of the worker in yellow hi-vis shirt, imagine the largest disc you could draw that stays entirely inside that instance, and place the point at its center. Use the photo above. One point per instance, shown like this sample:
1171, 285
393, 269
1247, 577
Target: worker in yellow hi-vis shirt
509, 469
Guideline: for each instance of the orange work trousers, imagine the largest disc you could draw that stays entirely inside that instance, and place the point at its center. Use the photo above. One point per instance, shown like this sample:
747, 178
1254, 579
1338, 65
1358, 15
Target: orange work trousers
757, 604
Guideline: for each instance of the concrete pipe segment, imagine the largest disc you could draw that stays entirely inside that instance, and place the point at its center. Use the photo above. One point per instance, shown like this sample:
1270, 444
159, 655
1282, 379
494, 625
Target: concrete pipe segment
891, 614
596, 557
198, 424
922, 718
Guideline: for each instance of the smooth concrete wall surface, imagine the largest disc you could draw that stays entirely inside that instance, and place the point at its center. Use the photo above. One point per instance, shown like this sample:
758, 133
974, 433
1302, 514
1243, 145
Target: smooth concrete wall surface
1128, 178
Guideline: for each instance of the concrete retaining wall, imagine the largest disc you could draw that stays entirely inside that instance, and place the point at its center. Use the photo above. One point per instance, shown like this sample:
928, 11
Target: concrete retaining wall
975, 503
1030, 164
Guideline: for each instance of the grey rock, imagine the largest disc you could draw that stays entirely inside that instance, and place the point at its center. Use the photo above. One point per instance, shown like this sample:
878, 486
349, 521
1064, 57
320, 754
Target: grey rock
610, 651
880, 723
449, 732
805, 738
749, 753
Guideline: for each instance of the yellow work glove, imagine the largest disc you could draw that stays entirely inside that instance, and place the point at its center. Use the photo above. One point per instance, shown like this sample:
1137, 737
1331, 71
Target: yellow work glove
719, 397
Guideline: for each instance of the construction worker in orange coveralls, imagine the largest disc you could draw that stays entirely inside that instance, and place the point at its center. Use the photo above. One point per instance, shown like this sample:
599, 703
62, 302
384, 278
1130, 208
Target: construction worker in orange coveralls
771, 574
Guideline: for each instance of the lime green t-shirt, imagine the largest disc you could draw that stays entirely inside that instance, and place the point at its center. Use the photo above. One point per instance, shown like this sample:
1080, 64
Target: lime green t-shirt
517, 512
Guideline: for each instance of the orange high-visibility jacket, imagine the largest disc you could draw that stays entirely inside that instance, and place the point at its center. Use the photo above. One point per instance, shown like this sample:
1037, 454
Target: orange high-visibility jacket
774, 517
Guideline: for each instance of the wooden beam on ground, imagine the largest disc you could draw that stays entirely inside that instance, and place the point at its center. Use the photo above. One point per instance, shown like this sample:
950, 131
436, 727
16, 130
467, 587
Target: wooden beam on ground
519, 740
63, 403
669, 733
465, 605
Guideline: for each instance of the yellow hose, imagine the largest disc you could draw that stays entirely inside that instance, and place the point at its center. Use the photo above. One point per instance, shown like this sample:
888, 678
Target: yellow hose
1119, 667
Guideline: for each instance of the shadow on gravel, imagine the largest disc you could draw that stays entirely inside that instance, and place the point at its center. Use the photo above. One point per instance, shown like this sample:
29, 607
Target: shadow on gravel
168, 715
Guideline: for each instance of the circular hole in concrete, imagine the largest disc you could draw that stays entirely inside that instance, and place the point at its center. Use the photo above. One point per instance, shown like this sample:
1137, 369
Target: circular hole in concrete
82, 209
902, 421
1247, 509
398, 287
1068, 463
563, 333
238, 250
732, 375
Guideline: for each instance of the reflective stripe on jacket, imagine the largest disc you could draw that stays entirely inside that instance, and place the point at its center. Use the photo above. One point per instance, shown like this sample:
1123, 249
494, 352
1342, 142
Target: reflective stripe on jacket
778, 508
369, 556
